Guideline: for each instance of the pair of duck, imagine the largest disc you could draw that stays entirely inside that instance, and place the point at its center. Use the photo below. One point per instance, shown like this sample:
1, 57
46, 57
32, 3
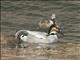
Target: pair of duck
28, 36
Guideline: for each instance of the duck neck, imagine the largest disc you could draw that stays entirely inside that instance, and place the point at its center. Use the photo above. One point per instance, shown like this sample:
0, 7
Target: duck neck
53, 25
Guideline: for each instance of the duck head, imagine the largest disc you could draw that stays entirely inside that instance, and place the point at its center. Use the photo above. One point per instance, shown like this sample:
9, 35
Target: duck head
53, 16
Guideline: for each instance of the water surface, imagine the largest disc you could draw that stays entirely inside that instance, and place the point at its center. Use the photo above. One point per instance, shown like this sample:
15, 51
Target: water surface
17, 15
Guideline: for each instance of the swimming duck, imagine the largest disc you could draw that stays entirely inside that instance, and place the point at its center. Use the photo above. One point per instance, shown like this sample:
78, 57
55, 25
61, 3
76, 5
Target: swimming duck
47, 22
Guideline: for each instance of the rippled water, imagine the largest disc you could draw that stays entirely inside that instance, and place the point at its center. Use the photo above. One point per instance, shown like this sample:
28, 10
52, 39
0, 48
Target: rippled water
25, 15
16, 15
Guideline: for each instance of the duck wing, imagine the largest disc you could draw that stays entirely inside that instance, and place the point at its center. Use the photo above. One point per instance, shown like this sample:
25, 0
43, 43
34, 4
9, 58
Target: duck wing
37, 34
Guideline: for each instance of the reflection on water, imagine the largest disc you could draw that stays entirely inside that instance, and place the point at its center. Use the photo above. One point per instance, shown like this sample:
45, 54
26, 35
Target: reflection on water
66, 51
18, 15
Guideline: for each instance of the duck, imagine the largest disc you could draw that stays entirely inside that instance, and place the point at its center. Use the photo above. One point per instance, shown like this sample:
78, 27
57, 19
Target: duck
46, 23
28, 36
